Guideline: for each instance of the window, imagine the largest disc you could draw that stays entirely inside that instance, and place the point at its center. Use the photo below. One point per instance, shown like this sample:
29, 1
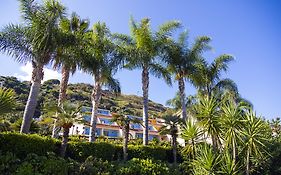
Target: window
136, 126
103, 112
105, 121
87, 118
87, 131
151, 128
139, 135
151, 137
110, 133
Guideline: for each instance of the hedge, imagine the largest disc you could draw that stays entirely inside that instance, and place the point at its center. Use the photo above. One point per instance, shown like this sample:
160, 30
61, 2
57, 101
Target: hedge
21, 145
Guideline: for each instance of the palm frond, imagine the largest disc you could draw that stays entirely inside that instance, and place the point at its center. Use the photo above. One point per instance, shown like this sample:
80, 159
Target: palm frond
14, 42
7, 100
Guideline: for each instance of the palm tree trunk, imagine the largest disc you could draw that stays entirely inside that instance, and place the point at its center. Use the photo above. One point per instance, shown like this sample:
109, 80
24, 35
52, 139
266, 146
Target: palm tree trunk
37, 76
145, 85
182, 98
64, 141
248, 162
62, 95
96, 95
174, 149
125, 142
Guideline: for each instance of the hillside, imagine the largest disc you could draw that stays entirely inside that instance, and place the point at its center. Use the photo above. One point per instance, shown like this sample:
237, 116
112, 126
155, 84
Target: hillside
78, 93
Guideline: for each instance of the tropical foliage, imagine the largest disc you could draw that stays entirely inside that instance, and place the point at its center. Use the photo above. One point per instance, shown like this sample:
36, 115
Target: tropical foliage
215, 131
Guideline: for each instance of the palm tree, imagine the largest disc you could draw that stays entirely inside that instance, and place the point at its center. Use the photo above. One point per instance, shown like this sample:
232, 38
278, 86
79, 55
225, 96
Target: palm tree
207, 78
35, 42
141, 51
124, 122
7, 100
176, 102
65, 115
207, 112
255, 137
181, 60
171, 124
192, 134
102, 63
67, 55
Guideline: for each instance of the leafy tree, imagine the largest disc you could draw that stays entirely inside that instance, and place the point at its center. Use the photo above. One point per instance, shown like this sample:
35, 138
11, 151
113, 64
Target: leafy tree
65, 115
181, 61
124, 122
35, 42
142, 51
171, 124
102, 62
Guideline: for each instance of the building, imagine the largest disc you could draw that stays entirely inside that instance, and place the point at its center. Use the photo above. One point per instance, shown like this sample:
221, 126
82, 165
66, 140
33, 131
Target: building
110, 129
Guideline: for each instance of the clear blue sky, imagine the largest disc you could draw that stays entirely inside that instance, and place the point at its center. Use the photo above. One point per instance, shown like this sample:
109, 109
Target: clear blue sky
249, 30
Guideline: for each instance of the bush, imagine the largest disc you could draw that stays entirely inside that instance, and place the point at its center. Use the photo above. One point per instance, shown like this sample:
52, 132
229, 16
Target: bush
21, 144
101, 150
148, 152
143, 166
37, 165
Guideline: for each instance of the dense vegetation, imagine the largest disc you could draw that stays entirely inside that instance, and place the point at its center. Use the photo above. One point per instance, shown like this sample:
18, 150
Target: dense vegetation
222, 133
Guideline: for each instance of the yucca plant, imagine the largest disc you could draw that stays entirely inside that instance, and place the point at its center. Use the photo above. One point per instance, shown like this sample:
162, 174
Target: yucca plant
192, 134
207, 161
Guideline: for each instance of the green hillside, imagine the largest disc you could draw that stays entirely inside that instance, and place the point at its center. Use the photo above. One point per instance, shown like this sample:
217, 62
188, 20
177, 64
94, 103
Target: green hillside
78, 93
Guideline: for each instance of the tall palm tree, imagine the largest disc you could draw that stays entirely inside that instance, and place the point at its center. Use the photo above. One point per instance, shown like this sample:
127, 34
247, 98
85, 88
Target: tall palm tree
181, 61
141, 51
35, 41
68, 54
255, 137
176, 102
102, 63
7, 100
66, 115
171, 124
124, 121
207, 78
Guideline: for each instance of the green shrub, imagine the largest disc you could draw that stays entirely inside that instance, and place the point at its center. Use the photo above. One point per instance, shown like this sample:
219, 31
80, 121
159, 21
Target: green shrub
93, 166
22, 145
149, 152
81, 150
143, 166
